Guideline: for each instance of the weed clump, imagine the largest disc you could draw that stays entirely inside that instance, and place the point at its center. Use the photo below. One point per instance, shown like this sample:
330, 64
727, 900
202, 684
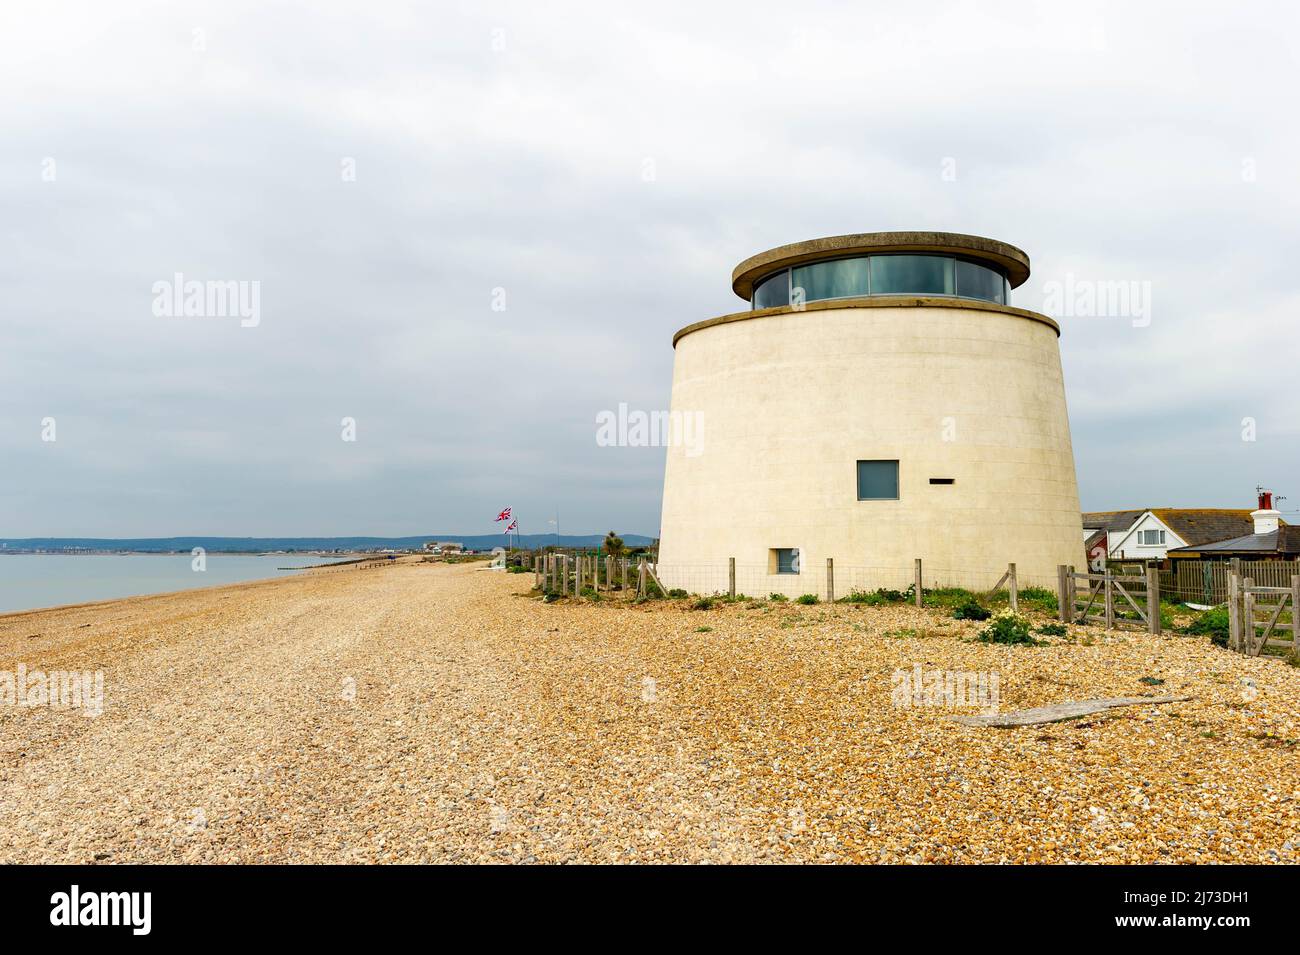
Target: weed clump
970, 610
1038, 598
876, 598
1213, 622
1008, 628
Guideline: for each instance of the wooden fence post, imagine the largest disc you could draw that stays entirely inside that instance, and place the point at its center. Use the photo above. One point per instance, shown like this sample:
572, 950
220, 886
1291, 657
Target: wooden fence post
1072, 588
640, 578
917, 580
1153, 599
1234, 623
626, 561
1295, 617
830, 580
1110, 601
654, 576
1248, 617
1013, 588
1062, 607
731, 576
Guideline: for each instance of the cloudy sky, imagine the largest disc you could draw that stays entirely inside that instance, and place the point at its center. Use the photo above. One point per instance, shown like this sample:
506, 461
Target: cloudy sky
477, 225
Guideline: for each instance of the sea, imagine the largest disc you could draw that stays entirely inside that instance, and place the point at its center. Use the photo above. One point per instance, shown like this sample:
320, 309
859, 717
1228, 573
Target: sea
28, 581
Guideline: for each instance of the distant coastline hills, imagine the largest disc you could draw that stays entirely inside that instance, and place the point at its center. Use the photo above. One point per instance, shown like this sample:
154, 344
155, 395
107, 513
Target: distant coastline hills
258, 545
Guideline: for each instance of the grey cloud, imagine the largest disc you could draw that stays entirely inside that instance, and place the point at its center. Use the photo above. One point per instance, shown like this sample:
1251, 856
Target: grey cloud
1101, 139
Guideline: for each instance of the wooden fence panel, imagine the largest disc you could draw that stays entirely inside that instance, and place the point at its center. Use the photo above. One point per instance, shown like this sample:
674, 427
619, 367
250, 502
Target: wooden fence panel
1208, 581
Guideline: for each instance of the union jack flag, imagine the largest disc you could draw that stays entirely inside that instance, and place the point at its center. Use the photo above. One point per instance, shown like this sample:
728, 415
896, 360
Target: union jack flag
514, 525
504, 515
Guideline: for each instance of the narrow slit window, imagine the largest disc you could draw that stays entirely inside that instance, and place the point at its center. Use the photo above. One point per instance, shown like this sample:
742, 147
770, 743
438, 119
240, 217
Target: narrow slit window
943, 480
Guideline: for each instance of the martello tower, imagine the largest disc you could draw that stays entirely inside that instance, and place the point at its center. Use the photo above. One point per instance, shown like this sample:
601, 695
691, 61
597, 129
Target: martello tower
880, 400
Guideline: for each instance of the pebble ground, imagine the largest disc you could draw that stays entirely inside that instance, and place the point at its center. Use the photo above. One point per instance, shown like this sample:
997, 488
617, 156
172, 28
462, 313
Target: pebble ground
438, 713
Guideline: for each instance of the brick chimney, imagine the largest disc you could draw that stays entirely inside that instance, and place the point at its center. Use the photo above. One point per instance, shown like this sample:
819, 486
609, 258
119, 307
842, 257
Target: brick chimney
1266, 517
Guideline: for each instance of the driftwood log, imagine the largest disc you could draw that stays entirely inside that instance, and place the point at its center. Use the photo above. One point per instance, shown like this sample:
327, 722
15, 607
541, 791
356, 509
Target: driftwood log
1063, 711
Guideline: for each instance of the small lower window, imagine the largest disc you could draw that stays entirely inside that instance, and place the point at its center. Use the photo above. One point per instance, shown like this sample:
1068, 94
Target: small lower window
784, 560
877, 480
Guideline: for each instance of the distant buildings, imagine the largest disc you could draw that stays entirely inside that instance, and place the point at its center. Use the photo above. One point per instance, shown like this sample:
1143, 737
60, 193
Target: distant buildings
444, 547
1270, 539
1149, 534
1203, 533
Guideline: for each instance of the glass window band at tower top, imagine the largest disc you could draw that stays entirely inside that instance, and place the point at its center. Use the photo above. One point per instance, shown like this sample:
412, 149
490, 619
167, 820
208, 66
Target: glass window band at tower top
890, 273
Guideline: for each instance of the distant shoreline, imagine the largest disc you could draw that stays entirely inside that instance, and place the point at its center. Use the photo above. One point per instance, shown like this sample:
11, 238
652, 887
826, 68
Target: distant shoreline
327, 546
346, 555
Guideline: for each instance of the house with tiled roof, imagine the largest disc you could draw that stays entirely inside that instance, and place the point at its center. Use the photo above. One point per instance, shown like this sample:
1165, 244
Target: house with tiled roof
1151, 533
1269, 539
1098, 526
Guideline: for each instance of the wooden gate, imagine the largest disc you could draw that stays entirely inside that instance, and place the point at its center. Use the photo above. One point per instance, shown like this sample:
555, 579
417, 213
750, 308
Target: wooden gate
1255, 614
1111, 600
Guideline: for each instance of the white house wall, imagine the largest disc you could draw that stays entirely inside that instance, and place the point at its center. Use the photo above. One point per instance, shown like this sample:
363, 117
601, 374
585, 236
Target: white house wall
1127, 544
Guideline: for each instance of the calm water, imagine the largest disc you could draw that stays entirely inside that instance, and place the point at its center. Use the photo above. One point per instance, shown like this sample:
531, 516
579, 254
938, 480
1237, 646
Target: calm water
41, 580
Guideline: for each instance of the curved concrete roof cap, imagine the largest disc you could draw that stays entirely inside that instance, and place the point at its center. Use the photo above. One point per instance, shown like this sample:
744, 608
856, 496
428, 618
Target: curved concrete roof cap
1014, 262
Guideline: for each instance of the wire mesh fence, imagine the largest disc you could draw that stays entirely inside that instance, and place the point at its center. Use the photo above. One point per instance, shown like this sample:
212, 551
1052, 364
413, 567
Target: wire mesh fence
829, 580
701, 579
761, 580
983, 577
1121, 596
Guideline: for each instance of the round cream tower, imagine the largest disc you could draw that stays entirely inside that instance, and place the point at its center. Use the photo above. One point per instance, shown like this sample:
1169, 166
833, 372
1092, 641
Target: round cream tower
881, 401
